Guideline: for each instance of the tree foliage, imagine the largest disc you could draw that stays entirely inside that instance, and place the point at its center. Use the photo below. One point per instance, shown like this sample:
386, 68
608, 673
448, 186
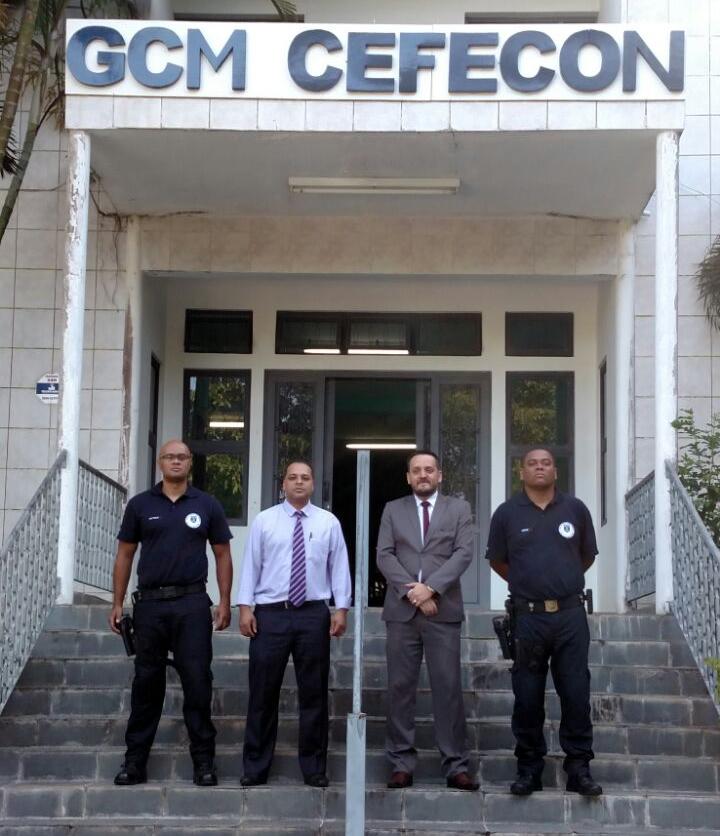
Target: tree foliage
698, 467
708, 281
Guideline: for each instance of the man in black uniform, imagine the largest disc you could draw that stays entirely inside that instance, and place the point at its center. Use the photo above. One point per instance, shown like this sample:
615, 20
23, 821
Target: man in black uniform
542, 542
174, 521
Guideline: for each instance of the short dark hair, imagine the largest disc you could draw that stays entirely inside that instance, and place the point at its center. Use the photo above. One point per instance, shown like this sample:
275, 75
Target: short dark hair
289, 464
532, 448
424, 452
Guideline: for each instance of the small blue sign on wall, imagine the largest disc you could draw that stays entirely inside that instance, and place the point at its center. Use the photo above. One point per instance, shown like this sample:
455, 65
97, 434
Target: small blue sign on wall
47, 388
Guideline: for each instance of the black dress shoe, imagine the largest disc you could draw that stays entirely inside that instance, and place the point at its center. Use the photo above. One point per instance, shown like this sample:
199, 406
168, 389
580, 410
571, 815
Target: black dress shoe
130, 774
252, 781
204, 775
320, 779
525, 784
583, 783
400, 780
462, 781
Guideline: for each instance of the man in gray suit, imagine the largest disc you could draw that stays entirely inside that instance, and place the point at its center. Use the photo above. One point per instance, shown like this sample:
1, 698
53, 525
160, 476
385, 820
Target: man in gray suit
424, 545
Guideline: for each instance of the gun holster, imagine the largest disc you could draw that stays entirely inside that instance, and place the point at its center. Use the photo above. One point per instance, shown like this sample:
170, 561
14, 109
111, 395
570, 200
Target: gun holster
127, 632
504, 626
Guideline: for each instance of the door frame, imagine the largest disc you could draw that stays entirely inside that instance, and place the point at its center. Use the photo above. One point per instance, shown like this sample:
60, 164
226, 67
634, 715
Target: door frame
320, 378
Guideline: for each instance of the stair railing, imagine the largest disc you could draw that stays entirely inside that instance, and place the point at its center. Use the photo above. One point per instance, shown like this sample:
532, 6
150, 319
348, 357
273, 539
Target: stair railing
28, 578
640, 505
100, 506
696, 582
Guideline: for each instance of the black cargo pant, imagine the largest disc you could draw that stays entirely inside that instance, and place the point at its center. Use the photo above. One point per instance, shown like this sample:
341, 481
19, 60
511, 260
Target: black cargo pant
182, 626
303, 632
563, 638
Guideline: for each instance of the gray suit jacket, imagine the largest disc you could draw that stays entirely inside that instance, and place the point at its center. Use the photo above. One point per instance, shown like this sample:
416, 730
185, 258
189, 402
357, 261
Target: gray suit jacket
447, 552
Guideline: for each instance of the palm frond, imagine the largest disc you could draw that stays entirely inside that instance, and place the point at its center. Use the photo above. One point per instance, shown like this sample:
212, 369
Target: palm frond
10, 160
708, 281
285, 9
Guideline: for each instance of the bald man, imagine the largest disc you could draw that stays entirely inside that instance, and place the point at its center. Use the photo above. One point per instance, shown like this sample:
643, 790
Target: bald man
174, 523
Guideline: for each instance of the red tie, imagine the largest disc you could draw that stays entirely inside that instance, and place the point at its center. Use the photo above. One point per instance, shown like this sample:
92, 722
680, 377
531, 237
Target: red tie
426, 517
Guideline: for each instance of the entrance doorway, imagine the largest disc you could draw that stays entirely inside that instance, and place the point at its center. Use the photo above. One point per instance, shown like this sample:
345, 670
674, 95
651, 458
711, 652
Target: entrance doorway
322, 417
384, 415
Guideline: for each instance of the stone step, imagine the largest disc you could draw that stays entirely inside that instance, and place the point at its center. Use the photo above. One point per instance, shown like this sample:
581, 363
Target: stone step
62, 644
421, 809
484, 735
232, 702
79, 765
102, 672
478, 623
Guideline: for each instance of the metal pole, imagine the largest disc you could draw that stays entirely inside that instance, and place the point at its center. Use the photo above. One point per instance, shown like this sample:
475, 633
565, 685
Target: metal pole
356, 721
72, 356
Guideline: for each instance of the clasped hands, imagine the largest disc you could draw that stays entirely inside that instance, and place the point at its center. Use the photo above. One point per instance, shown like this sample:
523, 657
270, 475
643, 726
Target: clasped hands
421, 597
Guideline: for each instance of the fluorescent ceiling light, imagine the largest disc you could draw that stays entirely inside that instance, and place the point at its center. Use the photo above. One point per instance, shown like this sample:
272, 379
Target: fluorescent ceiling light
321, 351
374, 185
227, 425
378, 351
369, 445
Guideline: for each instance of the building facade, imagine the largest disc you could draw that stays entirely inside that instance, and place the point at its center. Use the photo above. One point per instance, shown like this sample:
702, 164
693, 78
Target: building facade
368, 238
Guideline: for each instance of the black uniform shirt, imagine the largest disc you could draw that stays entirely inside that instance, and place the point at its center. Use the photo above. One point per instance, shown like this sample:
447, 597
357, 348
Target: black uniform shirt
543, 548
173, 535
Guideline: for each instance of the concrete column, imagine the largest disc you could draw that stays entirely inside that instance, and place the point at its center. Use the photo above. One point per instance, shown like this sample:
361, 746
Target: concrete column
132, 376
666, 284
74, 300
622, 420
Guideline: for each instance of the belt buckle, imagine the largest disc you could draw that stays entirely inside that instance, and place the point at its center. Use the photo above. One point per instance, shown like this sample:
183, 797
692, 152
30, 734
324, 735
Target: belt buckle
551, 605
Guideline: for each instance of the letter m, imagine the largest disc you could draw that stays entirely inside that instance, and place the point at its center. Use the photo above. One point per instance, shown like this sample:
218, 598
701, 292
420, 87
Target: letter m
197, 47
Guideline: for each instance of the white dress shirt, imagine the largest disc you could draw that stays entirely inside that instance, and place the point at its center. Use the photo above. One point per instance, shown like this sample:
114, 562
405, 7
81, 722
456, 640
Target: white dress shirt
265, 576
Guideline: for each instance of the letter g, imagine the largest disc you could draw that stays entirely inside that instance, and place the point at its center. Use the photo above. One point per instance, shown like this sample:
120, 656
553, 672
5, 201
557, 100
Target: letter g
114, 61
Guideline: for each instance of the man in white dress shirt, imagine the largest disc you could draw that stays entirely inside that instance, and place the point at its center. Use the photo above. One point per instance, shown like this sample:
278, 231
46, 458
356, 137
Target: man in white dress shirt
295, 561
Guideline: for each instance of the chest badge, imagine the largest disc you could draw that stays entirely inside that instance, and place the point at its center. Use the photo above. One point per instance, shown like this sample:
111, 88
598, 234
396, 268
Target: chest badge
192, 521
566, 529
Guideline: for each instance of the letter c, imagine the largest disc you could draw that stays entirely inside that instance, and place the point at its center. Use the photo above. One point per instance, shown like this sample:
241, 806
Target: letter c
296, 60
510, 57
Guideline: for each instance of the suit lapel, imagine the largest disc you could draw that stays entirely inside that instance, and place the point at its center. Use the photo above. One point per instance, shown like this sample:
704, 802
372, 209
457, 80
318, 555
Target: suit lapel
436, 515
413, 520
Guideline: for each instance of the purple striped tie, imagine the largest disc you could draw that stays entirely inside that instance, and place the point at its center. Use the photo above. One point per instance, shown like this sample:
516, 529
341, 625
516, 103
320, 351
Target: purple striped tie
298, 583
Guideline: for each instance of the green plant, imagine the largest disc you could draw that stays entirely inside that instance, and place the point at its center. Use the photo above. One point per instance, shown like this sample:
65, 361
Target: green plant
698, 467
714, 664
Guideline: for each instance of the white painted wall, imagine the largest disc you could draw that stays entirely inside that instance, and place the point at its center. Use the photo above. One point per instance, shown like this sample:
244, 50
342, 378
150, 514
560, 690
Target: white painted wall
266, 294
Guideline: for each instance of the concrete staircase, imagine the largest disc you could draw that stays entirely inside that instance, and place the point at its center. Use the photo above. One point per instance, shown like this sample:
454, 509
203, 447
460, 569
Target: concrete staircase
657, 740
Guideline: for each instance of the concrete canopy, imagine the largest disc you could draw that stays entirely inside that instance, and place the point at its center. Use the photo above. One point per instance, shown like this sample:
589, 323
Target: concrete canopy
591, 174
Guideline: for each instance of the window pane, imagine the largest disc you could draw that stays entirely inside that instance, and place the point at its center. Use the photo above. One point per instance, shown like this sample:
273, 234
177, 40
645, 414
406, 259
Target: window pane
539, 334
216, 407
294, 428
218, 332
540, 409
448, 335
295, 334
223, 476
459, 422
378, 334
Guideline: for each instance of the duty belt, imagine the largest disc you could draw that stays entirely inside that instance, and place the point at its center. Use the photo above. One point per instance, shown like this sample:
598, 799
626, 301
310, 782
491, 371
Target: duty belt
549, 604
167, 593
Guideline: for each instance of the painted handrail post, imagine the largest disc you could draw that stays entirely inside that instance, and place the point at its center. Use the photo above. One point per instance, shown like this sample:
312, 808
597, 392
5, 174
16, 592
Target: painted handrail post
356, 721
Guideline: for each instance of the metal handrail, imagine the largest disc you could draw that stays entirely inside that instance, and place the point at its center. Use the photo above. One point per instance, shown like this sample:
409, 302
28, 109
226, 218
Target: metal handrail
696, 583
640, 505
28, 578
100, 507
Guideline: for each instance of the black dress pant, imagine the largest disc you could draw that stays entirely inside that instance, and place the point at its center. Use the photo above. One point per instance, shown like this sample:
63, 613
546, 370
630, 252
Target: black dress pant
182, 626
303, 632
563, 638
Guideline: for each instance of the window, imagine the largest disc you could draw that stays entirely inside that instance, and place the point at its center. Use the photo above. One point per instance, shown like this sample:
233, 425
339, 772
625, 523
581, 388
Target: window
539, 334
215, 428
540, 411
218, 332
530, 17
202, 17
444, 334
603, 442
